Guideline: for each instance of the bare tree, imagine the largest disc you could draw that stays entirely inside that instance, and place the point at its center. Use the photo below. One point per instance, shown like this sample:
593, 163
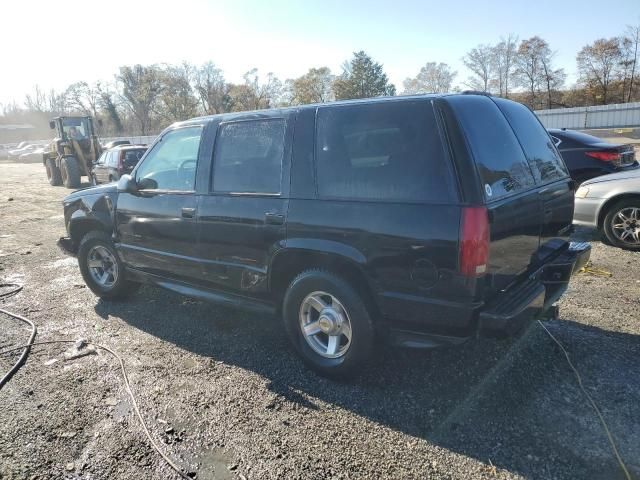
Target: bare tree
37, 101
480, 61
211, 88
83, 97
629, 45
259, 94
504, 62
529, 70
140, 87
432, 78
597, 64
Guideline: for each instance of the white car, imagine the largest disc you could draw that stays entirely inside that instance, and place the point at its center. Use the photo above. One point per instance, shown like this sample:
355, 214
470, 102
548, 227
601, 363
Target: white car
33, 155
22, 147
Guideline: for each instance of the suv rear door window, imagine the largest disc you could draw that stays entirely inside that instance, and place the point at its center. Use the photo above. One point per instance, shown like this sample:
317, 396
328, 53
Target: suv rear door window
248, 156
501, 163
542, 156
384, 151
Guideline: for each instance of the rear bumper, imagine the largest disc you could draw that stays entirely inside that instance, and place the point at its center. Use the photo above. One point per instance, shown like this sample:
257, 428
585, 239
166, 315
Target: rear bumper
513, 309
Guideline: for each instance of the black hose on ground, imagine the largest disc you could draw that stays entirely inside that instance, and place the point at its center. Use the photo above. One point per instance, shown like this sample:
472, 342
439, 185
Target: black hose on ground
34, 331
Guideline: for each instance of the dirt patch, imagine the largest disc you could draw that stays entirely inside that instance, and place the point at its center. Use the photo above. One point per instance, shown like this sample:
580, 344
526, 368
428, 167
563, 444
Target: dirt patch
226, 398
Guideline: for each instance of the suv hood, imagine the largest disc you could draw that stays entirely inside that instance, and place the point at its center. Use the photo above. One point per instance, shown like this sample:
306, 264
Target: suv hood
627, 174
97, 190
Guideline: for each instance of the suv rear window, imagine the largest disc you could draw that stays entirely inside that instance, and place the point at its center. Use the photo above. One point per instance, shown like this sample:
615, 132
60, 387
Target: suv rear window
248, 156
132, 157
543, 158
499, 158
383, 151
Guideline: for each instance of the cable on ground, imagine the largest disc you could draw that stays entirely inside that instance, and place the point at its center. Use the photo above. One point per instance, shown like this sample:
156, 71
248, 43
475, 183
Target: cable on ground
27, 348
592, 402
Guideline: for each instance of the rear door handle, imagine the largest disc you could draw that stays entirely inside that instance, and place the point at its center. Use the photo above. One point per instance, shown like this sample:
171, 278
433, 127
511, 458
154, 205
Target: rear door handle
188, 212
272, 218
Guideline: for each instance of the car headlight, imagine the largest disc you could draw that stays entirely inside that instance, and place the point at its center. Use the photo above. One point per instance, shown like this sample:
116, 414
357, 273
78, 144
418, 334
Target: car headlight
582, 192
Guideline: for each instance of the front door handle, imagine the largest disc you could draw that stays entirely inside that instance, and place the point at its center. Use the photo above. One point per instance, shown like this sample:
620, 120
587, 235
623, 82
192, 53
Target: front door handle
272, 218
188, 212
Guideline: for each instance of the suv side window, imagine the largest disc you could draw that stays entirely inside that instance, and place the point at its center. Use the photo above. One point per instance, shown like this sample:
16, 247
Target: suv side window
248, 156
385, 151
171, 164
501, 163
544, 160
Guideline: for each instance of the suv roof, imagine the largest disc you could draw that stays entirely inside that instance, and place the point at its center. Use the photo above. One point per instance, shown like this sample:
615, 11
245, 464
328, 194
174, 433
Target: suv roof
399, 98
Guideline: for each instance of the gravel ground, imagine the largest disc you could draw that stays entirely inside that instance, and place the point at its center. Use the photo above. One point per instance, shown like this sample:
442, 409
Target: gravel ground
225, 397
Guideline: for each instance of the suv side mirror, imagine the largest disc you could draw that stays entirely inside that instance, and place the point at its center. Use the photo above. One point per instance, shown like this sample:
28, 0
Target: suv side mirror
52, 124
127, 184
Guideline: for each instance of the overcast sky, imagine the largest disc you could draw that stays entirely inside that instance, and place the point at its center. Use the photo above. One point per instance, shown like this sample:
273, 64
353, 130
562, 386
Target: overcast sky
54, 43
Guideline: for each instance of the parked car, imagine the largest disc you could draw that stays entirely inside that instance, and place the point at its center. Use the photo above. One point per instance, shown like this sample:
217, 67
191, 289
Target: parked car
22, 147
34, 155
588, 157
114, 163
426, 220
611, 203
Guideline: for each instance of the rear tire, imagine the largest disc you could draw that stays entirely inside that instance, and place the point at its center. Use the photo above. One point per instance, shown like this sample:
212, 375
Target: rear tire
53, 172
101, 267
70, 172
621, 224
328, 324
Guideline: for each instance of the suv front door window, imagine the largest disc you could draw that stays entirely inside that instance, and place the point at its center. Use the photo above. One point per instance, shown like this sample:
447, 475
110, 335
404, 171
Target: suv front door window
171, 164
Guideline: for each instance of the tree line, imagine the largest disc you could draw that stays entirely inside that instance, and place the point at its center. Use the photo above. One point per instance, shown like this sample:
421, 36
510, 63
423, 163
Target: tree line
143, 99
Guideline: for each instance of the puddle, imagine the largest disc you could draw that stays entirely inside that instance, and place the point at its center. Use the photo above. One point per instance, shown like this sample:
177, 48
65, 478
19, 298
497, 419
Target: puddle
214, 465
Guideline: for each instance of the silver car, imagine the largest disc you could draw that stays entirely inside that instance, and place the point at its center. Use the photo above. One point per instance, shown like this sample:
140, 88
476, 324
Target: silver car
611, 203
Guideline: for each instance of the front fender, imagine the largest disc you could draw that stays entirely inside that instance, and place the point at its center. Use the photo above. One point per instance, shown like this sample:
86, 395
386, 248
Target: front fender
89, 212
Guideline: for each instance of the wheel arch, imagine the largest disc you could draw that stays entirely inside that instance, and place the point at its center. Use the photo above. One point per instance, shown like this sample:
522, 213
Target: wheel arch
291, 261
604, 209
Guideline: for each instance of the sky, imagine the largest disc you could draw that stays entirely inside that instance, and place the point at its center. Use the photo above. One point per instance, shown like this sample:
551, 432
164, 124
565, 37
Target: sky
283, 37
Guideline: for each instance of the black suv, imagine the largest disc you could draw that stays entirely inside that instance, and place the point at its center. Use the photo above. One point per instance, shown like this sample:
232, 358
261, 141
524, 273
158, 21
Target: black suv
115, 162
425, 220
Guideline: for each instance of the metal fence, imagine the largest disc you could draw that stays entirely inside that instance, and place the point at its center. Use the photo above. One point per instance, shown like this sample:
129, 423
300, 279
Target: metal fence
619, 115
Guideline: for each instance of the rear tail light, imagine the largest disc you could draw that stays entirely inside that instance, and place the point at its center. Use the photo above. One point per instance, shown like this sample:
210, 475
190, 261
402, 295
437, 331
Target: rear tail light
604, 156
474, 241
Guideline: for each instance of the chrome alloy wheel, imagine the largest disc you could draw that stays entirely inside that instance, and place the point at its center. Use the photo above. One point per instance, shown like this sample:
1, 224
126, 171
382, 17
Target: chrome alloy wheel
626, 225
325, 324
103, 266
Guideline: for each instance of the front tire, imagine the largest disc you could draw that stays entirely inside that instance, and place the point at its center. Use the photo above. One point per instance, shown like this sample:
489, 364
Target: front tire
328, 323
622, 224
70, 172
101, 267
53, 172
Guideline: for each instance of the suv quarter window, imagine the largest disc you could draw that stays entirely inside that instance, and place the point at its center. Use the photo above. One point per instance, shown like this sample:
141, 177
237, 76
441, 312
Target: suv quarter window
543, 158
388, 151
248, 156
501, 163
171, 164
